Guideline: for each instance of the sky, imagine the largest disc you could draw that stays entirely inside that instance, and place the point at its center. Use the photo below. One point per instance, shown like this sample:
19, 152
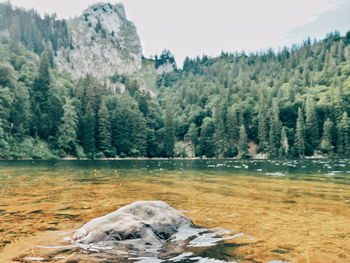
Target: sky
196, 27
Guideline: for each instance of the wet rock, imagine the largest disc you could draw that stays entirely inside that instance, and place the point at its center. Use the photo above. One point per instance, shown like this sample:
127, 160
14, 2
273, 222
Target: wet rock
141, 223
147, 230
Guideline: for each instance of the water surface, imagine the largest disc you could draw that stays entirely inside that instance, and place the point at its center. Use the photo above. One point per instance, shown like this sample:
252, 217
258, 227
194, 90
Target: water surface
293, 211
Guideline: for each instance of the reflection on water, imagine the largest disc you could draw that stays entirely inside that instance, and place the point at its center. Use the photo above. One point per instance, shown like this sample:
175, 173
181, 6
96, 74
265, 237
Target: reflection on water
288, 210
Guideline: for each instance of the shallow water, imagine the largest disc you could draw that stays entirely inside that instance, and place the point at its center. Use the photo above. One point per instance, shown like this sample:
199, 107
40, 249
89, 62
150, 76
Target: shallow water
293, 211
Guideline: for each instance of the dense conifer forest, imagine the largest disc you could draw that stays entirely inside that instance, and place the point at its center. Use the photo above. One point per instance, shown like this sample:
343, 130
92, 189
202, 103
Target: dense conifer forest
289, 103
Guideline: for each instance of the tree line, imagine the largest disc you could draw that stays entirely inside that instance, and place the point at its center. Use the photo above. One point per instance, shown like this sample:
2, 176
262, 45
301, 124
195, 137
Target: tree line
292, 103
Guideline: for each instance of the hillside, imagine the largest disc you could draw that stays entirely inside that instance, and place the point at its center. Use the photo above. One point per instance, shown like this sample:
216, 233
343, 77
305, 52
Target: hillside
81, 88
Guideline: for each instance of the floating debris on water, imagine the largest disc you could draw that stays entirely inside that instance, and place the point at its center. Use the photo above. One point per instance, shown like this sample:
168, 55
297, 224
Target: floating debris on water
277, 174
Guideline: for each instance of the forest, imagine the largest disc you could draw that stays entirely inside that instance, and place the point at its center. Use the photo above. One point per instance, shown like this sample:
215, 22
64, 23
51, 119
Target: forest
291, 103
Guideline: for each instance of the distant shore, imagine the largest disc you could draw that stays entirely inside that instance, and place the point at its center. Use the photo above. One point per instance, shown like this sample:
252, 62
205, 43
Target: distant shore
162, 158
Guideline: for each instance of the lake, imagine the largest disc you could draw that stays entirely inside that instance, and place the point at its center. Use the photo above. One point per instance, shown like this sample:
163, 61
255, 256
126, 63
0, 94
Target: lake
278, 211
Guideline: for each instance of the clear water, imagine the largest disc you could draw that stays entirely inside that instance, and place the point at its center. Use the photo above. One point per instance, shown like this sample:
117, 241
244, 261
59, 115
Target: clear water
293, 211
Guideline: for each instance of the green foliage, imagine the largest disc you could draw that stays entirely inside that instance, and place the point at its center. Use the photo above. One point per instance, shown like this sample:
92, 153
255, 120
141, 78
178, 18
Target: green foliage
311, 125
169, 134
344, 136
300, 135
4, 145
218, 104
67, 131
275, 131
328, 137
104, 138
243, 152
88, 130
34, 32
31, 148
284, 150
128, 128
206, 141
262, 122
40, 97
165, 57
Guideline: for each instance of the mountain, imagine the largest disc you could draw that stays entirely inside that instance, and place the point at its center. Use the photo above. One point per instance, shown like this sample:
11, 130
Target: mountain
81, 88
104, 43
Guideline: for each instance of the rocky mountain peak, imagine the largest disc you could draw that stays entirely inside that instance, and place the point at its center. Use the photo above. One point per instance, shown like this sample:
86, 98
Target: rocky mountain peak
104, 43
106, 16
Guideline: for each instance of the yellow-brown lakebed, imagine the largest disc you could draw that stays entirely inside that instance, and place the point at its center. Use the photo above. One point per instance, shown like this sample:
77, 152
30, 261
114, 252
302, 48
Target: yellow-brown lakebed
287, 211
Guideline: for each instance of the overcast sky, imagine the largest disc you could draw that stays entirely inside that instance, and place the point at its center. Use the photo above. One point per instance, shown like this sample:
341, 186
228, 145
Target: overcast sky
196, 27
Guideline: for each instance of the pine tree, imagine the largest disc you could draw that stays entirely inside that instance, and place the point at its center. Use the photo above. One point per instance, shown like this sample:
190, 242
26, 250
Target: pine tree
89, 125
220, 133
327, 139
232, 125
284, 143
138, 135
192, 136
300, 135
206, 142
243, 152
104, 139
21, 112
67, 131
275, 131
262, 129
120, 130
4, 146
40, 99
344, 136
311, 124
169, 136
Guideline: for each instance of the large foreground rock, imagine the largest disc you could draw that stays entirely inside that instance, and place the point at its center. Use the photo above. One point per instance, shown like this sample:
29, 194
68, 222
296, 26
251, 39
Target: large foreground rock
149, 230
142, 223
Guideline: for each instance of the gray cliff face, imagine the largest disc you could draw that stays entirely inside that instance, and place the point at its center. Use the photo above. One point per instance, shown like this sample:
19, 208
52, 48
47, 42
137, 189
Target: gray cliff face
104, 43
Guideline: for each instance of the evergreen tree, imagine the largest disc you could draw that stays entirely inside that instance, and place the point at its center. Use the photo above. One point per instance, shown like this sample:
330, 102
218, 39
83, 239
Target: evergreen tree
138, 135
344, 136
206, 142
243, 152
232, 125
311, 125
300, 135
327, 139
104, 139
40, 99
7, 77
263, 131
4, 146
67, 131
169, 134
153, 149
88, 128
192, 136
275, 131
21, 111
284, 151
220, 133
120, 130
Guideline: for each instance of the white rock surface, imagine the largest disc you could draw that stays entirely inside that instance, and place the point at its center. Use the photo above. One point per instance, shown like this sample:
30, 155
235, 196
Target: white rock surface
150, 221
104, 43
